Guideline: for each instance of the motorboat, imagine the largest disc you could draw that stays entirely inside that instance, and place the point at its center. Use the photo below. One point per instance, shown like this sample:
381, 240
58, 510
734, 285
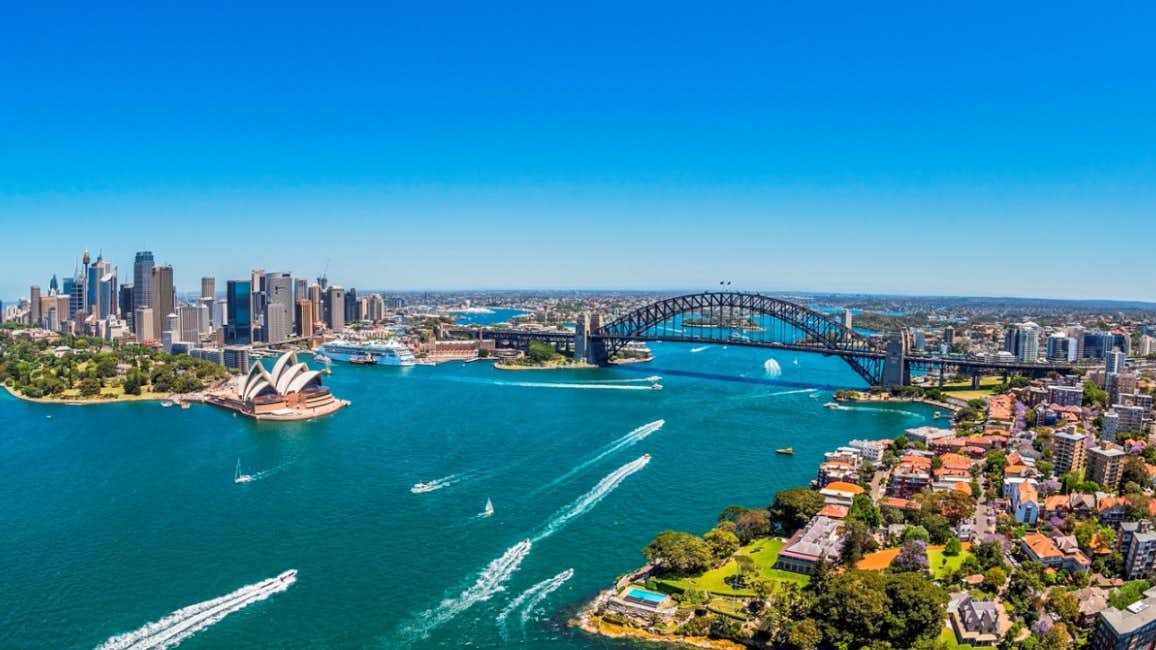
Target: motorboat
786, 451
656, 387
420, 488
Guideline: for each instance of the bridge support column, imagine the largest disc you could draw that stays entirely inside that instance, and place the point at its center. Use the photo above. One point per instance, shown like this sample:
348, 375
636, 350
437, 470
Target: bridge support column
975, 377
895, 372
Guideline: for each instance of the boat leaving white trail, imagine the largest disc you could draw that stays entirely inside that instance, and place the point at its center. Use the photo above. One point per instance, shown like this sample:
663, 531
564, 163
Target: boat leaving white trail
551, 586
185, 622
640, 380
772, 368
635, 436
437, 483
577, 386
701, 348
876, 409
490, 581
592, 498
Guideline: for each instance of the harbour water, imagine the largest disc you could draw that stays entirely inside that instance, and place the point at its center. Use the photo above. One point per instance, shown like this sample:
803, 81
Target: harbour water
116, 516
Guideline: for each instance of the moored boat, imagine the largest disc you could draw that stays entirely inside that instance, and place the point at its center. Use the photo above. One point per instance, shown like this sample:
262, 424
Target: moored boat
786, 451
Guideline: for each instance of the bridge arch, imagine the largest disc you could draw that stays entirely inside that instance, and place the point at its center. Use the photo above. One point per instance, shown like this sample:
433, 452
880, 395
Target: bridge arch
820, 333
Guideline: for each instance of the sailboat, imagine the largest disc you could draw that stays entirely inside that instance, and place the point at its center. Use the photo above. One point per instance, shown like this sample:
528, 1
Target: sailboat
238, 477
489, 509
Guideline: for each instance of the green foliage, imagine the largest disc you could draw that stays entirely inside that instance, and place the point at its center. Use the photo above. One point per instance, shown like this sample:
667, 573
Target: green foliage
1128, 593
953, 547
859, 609
916, 533
89, 387
678, 553
540, 352
722, 543
863, 509
793, 508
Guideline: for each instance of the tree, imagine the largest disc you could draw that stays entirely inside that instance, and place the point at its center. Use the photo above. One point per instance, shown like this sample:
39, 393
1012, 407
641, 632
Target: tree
793, 508
722, 543
913, 557
1094, 395
994, 579
752, 524
916, 609
916, 533
857, 540
89, 387
1065, 604
1128, 593
863, 509
852, 609
1135, 471
679, 553
804, 635
953, 547
953, 505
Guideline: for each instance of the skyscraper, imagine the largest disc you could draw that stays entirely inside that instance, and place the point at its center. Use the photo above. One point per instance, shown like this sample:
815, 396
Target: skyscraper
335, 308
164, 298
124, 302
238, 317
145, 324
315, 298
1028, 342
1114, 362
304, 317
142, 286
208, 287
278, 307
351, 315
35, 318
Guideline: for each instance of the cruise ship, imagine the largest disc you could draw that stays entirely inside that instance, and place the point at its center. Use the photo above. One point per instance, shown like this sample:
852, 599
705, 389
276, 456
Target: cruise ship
381, 353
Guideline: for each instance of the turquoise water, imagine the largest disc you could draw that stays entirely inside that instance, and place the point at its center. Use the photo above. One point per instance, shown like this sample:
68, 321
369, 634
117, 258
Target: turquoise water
114, 516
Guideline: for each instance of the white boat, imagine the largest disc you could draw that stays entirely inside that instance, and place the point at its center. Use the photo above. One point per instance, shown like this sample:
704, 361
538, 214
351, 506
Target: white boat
489, 509
321, 358
383, 353
420, 488
656, 387
238, 477
166, 403
832, 405
287, 576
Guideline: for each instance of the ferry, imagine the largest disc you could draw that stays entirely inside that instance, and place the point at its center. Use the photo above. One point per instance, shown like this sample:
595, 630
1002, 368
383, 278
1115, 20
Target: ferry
383, 353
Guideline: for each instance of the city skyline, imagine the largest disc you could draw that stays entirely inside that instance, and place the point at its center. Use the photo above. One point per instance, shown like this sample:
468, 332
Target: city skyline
883, 152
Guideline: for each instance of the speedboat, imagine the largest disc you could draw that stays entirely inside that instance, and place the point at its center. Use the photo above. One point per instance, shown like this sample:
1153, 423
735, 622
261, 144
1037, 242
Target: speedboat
321, 358
831, 405
166, 403
288, 575
238, 477
419, 488
656, 387
786, 451
936, 415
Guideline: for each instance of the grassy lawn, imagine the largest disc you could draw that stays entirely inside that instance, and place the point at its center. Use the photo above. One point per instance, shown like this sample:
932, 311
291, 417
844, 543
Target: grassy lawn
764, 552
880, 560
947, 638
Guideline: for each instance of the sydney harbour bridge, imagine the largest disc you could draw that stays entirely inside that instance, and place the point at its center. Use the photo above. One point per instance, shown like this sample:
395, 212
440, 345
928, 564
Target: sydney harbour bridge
756, 320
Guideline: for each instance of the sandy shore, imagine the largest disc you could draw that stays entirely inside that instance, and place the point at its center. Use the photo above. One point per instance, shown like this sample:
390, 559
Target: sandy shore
119, 399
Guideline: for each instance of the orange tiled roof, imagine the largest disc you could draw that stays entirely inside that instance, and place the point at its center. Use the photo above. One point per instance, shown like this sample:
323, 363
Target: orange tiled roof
960, 486
843, 486
1015, 470
902, 504
1042, 546
1110, 502
916, 461
834, 511
1056, 502
1027, 492
955, 461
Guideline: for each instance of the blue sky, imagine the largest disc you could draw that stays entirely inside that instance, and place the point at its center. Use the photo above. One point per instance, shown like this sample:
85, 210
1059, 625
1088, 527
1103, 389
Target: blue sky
896, 148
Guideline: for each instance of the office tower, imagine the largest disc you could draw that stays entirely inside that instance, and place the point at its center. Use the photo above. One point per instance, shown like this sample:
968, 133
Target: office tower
948, 336
220, 308
351, 315
335, 308
1121, 342
101, 288
85, 261
1105, 466
124, 302
1096, 345
374, 308
300, 290
142, 282
145, 326
1070, 452
1011, 339
208, 287
1114, 362
238, 317
164, 297
315, 298
919, 340
278, 307
303, 315
69, 288
1061, 348
34, 306
1028, 342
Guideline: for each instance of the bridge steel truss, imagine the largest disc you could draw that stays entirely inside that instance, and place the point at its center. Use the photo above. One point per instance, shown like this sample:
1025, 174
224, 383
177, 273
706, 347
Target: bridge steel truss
728, 317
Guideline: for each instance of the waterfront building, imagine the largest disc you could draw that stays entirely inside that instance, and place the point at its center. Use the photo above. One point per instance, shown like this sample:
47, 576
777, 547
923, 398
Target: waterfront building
821, 538
164, 296
289, 391
1105, 465
142, 285
143, 317
213, 355
928, 434
303, 315
278, 307
334, 299
1131, 628
208, 287
35, 317
871, 450
238, 317
237, 359
1069, 452
910, 476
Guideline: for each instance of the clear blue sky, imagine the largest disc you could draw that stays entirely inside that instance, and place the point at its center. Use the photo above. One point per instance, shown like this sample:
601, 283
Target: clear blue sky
1007, 150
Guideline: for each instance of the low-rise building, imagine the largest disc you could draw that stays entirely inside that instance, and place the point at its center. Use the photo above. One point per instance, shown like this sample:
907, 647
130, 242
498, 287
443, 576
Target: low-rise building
928, 434
821, 538
911, 475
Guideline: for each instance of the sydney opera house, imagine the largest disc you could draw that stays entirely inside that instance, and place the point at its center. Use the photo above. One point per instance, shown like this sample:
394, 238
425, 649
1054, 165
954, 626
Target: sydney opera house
289, 391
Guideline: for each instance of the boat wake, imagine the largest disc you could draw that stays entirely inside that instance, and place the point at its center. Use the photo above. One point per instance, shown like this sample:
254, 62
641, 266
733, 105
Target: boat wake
573, 385
531, 598
185, 622
438, 483
584, 503
701, 348
649, 380
269, 472
489, 582
635, 436
876, 409
797, 391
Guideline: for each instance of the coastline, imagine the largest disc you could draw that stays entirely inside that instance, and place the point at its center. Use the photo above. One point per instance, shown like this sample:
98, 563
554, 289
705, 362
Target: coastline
593, 624
867, 397
570, 366
121, 399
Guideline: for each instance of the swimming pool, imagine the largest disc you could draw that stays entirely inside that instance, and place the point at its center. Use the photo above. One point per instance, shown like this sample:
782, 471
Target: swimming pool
644, 597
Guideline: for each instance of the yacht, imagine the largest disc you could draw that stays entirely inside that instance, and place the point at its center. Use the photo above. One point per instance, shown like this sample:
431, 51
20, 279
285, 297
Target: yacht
489, 509
238, 477
382, 353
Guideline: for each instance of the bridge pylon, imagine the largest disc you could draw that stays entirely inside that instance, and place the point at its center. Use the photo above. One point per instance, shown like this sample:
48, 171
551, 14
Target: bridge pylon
895, 370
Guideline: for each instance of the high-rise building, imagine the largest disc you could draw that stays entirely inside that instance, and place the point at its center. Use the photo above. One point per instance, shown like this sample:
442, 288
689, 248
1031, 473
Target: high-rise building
1011, 339
1028, 342
335, 308
101, 288
315, 298
1114, 361
1070, 452
847, 319
1121, 342
189, 323
1131, 628
257, 303
142, 285
948, 336
35, 318
164, 297
1061, 348
145, 325
238, 317
208, 287
1105, 466
73, 290
374, 308
1096, 345
300, 290
303, 315
278, 307
124, 302
351, 307
1140, 555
